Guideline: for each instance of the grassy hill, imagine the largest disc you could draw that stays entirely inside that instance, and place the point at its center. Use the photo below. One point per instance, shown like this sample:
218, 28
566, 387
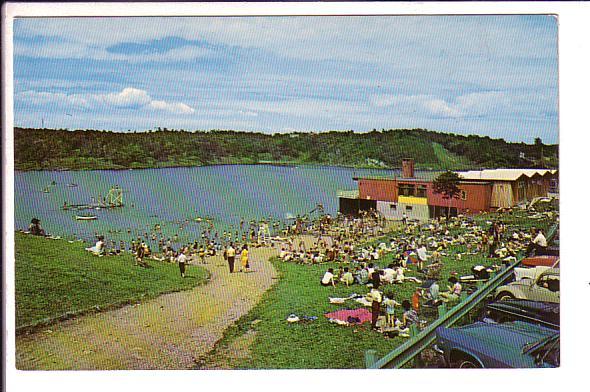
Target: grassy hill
54, 279
38, 149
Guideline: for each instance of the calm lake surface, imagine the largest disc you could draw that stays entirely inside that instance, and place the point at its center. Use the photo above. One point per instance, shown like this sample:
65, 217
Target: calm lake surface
170, 196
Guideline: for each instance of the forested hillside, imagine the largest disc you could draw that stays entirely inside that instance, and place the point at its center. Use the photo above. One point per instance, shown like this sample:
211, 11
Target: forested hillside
37, 149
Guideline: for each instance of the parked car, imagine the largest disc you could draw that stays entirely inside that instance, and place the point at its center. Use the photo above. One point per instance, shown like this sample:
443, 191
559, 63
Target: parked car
532, 267
534, 312
544, 288
540, 261
515, 344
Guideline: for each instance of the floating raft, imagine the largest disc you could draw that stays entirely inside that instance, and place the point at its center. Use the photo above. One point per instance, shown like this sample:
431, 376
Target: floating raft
85, 217
89, 206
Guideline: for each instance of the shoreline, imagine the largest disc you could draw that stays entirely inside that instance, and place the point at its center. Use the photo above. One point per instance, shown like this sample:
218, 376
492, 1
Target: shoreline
278, 164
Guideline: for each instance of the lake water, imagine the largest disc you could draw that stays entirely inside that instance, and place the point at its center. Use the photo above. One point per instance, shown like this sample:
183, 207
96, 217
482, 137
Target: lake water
168, 196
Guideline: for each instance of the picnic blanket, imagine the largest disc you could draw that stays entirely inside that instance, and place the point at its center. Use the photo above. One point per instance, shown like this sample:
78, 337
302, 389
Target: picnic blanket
363, 315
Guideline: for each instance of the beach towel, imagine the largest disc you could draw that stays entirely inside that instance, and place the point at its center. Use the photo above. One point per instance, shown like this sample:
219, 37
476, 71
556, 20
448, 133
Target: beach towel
362, 315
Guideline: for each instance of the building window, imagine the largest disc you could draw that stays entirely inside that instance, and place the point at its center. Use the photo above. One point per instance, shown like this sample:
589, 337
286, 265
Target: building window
409, 208
553, 185
406, 190
393, 207
521, 184
421, 191
463, 195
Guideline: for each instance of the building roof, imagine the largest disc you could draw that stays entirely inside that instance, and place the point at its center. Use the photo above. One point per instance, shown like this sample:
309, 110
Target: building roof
503, 174
420, 176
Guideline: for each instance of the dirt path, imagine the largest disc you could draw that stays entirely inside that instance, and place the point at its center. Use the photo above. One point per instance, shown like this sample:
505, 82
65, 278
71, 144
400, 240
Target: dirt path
173, 331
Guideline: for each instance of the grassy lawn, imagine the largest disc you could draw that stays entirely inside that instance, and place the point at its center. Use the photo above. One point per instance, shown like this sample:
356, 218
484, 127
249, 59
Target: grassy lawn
320, 344
54, 277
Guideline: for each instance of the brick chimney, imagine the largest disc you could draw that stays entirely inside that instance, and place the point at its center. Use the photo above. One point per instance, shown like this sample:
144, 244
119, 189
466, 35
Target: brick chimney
407, 168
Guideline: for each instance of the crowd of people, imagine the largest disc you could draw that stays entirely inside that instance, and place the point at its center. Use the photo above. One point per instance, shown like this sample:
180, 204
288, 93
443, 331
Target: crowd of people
415, 253
357, 252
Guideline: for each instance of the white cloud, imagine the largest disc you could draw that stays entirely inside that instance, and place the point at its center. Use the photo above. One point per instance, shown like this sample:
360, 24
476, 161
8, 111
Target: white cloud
248, 113
467, 105
175, 107
128, 98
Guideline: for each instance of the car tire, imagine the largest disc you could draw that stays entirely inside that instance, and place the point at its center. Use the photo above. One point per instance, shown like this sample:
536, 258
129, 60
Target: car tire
468, 364
465, 361
504, 295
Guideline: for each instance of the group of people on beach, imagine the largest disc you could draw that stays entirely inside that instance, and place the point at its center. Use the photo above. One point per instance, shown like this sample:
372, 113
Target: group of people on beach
414, 253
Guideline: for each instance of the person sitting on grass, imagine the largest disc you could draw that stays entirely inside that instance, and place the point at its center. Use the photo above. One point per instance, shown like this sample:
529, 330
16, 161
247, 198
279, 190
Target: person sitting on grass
98, 248
432, 294
361, 275
328, 279
35, 227
538, 244
454, 291
347, 277
140, 254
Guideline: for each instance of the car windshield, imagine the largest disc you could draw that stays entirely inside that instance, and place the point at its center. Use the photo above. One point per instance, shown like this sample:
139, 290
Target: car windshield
530, 347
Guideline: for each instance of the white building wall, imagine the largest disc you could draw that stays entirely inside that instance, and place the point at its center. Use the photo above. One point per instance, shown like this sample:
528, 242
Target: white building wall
395, 211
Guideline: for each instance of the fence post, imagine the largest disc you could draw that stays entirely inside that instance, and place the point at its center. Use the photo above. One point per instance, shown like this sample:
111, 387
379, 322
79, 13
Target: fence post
370, 358
442, 309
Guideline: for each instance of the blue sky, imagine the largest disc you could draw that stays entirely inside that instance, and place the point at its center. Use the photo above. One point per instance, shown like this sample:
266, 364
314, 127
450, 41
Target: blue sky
486, 75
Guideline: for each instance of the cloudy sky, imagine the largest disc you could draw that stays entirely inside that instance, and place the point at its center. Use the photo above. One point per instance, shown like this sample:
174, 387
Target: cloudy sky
487, 75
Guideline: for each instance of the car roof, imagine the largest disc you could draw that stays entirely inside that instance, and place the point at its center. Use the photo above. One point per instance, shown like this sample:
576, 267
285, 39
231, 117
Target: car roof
544, 260
545, 312
551, 271
510, 334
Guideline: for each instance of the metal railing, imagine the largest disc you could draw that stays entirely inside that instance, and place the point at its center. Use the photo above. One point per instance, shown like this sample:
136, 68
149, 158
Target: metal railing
421, 340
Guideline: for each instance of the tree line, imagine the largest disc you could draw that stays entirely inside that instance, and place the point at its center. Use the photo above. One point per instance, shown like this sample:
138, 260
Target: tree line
39, 149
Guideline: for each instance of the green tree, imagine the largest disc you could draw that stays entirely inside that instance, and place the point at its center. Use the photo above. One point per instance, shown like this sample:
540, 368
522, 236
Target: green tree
447, 185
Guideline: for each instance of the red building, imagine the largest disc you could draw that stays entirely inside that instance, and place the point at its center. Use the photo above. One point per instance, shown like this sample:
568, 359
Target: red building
414, 196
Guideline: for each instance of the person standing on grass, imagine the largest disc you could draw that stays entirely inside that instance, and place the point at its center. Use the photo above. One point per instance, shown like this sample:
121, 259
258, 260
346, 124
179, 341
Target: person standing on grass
244, 259
181, 259
231, 256
375, 297
202, 254
422, 256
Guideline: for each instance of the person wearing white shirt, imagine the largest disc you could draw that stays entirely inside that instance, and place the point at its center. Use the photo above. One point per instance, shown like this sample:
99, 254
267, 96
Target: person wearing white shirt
181, 259
328, 279
422, 256
539, 244
388, 274
98, 248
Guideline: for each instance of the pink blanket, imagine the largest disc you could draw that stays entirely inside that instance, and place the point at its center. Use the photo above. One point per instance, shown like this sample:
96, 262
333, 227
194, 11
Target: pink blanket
362, 314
